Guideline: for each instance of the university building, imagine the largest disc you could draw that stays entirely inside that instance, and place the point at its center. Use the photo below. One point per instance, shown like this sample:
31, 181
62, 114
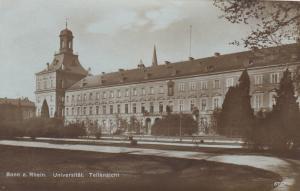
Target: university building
147, 91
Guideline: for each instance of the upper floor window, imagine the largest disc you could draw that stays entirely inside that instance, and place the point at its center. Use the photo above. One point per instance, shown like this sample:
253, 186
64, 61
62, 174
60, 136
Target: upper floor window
104, 109
181, 87
84, 97
73, 98
119, 93
204, 85
134, 107
134, 92
161, 89
111, 94
143, 91
104, 95
84, 111
91, 110
97, 110
127, 93
151, 107
229, 82
193, 86
143, 108
72, 111
78, 97
126, 108
151, 90
67, 99
216, 84
274, 78
91, 96
258, 79
97, 96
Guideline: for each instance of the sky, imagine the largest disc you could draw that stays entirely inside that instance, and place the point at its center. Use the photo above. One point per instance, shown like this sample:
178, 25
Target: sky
108, 35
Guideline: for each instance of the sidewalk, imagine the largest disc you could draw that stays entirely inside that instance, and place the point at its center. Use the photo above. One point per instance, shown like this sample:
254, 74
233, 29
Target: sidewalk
150, 141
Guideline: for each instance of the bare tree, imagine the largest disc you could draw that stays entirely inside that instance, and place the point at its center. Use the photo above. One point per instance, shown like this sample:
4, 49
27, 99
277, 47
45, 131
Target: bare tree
275, 21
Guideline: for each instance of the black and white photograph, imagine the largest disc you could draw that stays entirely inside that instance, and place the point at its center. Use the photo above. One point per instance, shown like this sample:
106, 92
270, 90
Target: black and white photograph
156, 95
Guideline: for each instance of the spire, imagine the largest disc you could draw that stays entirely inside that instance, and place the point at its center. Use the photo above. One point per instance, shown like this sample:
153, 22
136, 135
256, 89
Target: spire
154, 58
66, 23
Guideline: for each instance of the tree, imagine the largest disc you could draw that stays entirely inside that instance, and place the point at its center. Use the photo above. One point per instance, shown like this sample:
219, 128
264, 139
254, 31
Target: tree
275, 21
172, 124
236, 116
283, 122
45, 110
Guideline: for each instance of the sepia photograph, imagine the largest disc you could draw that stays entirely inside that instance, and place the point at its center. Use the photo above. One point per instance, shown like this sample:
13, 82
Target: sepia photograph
157, 95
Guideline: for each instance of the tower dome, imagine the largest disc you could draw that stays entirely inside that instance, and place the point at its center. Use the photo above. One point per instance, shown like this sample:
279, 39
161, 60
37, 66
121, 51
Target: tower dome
66, 40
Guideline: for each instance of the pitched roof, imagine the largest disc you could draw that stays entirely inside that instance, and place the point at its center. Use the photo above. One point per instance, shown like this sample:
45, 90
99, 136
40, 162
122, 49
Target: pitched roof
67, 62
17, 102
220, 63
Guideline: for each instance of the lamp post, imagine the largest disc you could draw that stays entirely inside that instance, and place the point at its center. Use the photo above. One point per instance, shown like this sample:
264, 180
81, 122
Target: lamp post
180, 126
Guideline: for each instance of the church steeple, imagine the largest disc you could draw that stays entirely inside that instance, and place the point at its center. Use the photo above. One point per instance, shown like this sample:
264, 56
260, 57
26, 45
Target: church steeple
154, 58
66, 40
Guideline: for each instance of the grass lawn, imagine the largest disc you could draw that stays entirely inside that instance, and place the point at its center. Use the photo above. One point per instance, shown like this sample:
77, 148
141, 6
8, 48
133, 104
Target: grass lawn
131, 172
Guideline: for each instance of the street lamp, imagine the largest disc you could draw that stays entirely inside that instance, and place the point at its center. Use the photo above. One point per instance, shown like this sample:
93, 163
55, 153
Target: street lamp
180, 125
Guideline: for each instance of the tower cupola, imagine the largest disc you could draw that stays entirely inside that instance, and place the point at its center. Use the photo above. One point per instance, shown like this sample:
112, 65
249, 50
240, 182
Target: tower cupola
66, 40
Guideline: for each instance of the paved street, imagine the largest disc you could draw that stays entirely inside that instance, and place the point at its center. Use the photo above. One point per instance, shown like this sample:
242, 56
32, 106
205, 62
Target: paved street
288, 169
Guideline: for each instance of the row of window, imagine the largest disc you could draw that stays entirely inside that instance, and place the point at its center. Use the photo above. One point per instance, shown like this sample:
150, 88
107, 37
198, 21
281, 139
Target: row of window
111, 109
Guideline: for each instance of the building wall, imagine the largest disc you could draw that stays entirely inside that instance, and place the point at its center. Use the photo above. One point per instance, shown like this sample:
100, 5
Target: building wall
206, 92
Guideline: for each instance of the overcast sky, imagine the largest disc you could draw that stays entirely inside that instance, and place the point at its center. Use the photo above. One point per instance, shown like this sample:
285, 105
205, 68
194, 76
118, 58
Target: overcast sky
109, 34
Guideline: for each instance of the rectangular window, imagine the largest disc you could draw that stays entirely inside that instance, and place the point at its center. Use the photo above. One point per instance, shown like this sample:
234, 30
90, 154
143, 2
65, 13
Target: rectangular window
126, 108
170, 106
134, 108
97, 96
111, 109
181, 87
258, 101
91, 111
275, 78
78, 98
143, 91
84, 110
134, 92
104, 95
204, 85
216, 102
127, 93
97, 110
161, 89
78, 110
203, 104
104, 109
143, 107
151, 90
119, 108
192, 104
151, 107
111, 94
91, 96
216, 84
229, 82
119, 93
161, 107
67, 111
72, 112
67, 99
258, 79
192, 86
73, 98
181, 105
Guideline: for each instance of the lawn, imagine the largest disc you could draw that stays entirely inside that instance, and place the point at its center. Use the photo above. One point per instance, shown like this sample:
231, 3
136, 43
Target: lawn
130, 172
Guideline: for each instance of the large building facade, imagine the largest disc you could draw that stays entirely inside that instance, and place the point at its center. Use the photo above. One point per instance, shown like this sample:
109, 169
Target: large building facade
16, 109
182, 87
